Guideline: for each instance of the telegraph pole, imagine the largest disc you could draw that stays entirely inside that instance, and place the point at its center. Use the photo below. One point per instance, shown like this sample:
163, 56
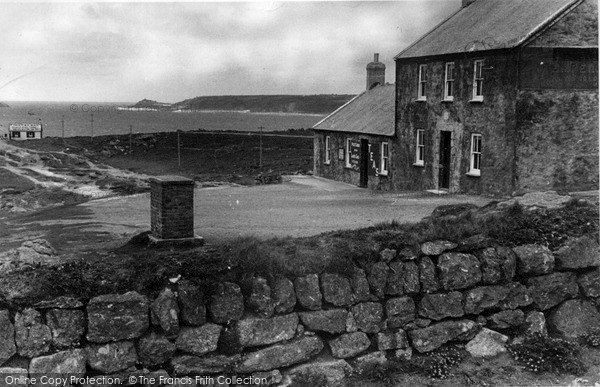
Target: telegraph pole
261, 163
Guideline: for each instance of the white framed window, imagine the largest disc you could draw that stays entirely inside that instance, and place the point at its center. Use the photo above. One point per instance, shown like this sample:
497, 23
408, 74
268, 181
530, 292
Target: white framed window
385, 159
422, 93
478, 80
348, 152
449, 82
327, 150
475, 165
420, 154
15, 134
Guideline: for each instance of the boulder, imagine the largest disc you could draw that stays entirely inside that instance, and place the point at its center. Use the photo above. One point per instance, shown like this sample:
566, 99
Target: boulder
574, 318
399, 311
280, 355
308, 292
7, 337
252, 332
65, 363
534, 259
392, 340
368, 316
111, 357
409, 253
578, 253
403, 278
589, 283
195, 365
506, 319
475, 242
349, 345
226, 303
458, 270
192, 308
437, 247
552, 289
284, 296
199, 340
497, 264
487, 343
369, 360
360, 286
351, 323
336, 289
483, 298
378, 278
332, 372
113, 317
387, 255
404, 354
535, 323
259, 299
518, 296
441, 305
67, 327
435, 335
331, 321
427, 276
32, 337
154, 348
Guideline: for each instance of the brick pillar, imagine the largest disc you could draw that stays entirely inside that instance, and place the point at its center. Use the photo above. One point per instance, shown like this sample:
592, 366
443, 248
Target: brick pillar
172, 207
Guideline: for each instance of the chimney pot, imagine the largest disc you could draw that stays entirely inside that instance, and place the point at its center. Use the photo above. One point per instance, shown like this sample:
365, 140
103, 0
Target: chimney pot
376, 57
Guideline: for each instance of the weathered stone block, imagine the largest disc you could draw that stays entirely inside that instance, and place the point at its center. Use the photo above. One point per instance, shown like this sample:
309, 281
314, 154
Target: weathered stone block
115, 317
111, 357
65, 363
378, 278
403, 278
210, 364
589, 283
360, 286
437, 247
535, 323
166, 310
154, 349
483, 298
578, 253
280, 355
199, 340
308, 292
67, 326
427, 275
487, 343
388, 255
192, 308
284, 295
336, 289
369, 360
332, 320
534, 259
458, 270
475, 242
506, 319
574, 318
332, 372
349, 345
392, 340
552, 289
32, 337
497, 264
351, 323
399, 311
435, 335
442, 305
61, 302
7, 337
518, 296
368, 316
259, 298
226, 303
252, 332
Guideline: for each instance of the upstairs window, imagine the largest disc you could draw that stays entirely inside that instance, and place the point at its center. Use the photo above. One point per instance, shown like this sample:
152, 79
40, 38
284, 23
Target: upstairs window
449, 83
475, 167
420, 155
348, 152
385, 159
422, 96
478, 80
327, 150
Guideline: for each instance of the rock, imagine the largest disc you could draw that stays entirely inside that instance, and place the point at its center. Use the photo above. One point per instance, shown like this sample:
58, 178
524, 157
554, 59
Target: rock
589, 283
67, 327
392, 340
368, 316
518, 296
336, 289
369, 360
409, 253
308, 292
349, 345
483, 298
7, 337
387, 255
435, 335
194, 365
403, 278
506, 319
226, 303
154, 349
574, 318
578, 253
192, 308
269, 377
442, 305
38, 252
351, 323
427, 276
199, 340
487, 343
360, 286
332, 372
475, 242
404, 354
331, 321
399, 311
458, 270
32, 337
535, 323
552, 289
533, 259
259, 299
65, 364
437, 247
284, 296
111, 357
113, 317
497, 264
280, 355
252, 332
377, 278
61, 302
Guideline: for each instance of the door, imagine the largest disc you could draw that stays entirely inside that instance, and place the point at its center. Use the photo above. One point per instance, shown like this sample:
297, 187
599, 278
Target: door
364, 163
445, 152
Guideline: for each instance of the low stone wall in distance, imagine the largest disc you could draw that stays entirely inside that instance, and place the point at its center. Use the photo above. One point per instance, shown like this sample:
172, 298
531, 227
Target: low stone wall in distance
407, 301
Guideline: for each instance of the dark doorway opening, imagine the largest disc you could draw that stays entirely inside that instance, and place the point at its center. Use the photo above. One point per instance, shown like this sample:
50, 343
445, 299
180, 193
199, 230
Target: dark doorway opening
364, 163
445, 153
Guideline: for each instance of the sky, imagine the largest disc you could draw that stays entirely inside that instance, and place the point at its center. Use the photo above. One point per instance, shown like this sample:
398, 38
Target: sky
124, 52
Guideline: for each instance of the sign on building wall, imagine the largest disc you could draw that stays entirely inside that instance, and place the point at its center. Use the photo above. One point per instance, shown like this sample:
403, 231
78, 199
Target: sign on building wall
355, 155
25, 127
374, 159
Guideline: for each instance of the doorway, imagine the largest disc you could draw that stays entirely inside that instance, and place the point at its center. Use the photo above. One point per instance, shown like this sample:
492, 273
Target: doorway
445, 154
364, 163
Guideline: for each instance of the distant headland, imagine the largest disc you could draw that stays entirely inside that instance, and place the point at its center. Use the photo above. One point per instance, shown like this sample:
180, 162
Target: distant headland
2, 104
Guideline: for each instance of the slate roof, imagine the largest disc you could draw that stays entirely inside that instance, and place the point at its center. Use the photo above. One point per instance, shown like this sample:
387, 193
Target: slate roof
488, 25
371, 112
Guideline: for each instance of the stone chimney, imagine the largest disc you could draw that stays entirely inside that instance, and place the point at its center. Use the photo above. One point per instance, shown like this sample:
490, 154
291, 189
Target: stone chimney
375, 73
467, 2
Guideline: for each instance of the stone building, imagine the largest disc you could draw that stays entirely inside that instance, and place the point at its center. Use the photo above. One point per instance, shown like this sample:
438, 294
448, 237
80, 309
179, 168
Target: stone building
500, 97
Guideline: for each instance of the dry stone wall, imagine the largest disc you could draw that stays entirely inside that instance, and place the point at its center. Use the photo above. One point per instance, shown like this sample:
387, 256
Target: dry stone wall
410, 300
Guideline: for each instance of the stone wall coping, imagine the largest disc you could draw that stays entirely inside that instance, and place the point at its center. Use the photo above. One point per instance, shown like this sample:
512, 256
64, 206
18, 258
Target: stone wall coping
171, 180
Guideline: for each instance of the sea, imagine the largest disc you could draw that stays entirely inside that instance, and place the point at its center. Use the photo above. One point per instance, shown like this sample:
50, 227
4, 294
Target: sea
100, 119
